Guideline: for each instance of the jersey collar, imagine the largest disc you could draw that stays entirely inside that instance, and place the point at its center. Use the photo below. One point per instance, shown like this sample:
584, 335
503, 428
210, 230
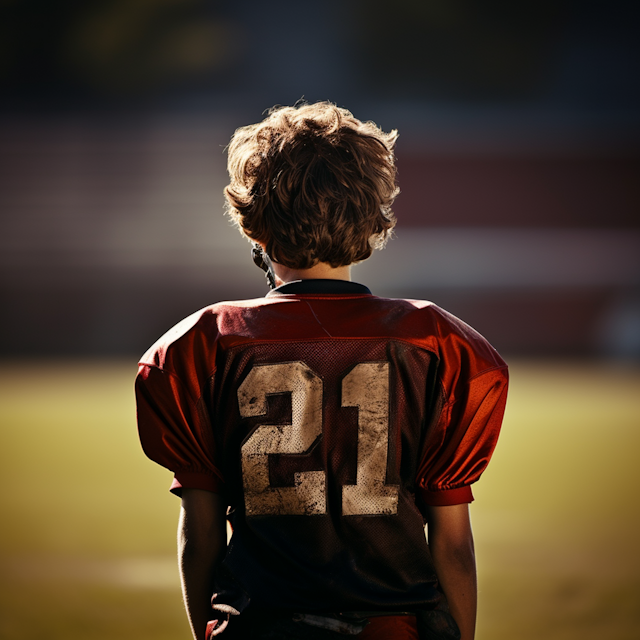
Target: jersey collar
320, 286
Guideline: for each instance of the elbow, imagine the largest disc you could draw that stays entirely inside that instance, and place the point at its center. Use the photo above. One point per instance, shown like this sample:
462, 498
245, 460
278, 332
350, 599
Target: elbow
458, 554
463, 557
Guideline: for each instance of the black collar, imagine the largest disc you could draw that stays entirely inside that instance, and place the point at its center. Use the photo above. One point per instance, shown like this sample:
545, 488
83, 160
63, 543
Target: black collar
321, 286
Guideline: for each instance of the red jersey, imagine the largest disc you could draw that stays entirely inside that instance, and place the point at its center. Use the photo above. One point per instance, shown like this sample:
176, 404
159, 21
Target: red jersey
328, 421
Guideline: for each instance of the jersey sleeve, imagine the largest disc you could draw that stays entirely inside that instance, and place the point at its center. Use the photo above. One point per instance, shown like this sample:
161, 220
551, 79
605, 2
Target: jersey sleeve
175, 430
461, 437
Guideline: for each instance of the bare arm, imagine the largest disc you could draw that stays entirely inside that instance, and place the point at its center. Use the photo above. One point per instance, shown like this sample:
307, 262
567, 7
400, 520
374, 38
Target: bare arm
202, 541
451, 543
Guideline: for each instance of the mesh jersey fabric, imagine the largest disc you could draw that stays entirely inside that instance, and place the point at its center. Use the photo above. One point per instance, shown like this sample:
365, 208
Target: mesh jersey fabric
327, 421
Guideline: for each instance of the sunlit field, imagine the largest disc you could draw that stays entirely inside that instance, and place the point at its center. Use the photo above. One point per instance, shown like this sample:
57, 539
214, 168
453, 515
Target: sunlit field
88, 526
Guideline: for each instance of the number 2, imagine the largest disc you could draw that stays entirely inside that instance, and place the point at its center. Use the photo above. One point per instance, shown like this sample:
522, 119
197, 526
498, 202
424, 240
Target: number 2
366, 386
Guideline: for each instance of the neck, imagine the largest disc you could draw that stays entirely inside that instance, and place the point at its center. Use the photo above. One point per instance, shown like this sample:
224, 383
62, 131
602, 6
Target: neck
320, 271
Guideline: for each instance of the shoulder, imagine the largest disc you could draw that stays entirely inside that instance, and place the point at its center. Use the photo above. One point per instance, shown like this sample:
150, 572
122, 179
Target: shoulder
461, 350
196, 337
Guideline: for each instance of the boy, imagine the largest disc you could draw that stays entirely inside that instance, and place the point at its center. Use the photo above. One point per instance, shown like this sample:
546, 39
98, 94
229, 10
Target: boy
327, 424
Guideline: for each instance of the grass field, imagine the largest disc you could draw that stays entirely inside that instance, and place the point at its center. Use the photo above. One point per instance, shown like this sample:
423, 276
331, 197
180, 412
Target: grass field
87, 540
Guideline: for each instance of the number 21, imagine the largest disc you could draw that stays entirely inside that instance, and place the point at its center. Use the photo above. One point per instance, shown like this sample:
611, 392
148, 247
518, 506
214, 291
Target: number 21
366, 386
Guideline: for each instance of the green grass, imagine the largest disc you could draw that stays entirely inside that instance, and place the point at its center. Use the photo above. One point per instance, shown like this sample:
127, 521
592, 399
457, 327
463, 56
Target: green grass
87, 542
556, 520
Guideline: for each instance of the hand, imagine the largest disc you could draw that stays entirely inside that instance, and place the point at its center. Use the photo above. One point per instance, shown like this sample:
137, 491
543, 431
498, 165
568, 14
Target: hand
216, 626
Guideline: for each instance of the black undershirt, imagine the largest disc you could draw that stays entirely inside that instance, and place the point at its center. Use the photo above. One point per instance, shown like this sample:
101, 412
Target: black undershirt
326, 286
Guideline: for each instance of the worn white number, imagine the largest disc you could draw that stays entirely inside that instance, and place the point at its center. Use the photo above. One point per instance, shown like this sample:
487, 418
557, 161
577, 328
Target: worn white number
307, 497
366, 386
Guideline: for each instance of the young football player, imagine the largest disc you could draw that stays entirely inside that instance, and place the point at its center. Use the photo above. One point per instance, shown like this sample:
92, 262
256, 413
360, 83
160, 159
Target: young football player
327, 424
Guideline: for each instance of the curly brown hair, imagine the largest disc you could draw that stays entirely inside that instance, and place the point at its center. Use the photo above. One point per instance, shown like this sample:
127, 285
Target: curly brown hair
312, 183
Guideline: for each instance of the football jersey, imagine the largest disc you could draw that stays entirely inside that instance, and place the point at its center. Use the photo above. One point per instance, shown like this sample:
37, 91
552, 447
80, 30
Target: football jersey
328, 418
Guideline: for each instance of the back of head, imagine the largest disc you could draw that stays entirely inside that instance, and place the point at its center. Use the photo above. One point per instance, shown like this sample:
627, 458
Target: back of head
311, 183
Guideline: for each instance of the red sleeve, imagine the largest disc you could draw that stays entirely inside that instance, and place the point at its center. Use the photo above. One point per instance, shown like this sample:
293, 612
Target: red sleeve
175, 429
461, 439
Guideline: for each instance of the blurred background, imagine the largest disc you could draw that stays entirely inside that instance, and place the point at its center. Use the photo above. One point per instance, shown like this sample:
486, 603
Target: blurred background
518, 156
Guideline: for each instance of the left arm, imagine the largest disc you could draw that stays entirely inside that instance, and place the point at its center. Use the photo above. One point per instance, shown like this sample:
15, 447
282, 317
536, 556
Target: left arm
202, 542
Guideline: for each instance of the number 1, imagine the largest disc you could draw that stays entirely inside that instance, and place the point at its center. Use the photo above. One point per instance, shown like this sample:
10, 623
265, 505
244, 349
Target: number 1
367, 387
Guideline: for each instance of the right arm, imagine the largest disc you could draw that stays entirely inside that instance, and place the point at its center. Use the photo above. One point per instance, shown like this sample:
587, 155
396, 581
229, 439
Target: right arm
202, 542
451, 544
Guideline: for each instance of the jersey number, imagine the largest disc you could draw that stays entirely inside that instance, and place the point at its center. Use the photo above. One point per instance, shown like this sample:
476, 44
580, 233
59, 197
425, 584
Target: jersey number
366, 386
